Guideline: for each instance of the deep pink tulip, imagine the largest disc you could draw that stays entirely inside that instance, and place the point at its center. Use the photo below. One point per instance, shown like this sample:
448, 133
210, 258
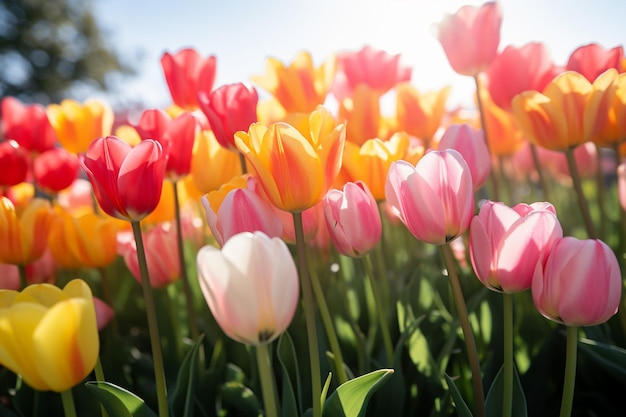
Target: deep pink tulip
230, 108
470, 37
126, 181
621, 185
28, 125
592, 59
104, 313
14, 163
435, 198
507, 243
55, 170
471, 145
187, 74
579, 284
176, 136
251, 286
352, 219
517, 69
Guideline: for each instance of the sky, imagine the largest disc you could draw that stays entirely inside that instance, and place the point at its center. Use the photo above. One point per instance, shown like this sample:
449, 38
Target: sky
243, 33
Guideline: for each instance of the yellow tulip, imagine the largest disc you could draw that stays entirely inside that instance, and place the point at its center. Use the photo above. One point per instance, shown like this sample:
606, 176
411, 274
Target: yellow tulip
211, 164
504, 136
24, 235
295, 167
420, 114
78, 125
49, 336
605, 114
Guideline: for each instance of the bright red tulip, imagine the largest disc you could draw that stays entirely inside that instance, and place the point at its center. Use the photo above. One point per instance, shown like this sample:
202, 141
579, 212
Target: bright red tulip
55, 170
507, 242
470, 37
126, 181
579, 284
14, 163
592, 59
435, 198
28, 125
229, 109
188, 74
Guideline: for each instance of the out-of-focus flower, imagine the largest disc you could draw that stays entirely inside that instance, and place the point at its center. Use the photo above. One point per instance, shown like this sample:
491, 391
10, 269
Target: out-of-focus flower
435, 198
164, 210
419, 114
505, 137
187, 74
211, 164
592, 59
78, 198
518, 69
117, 172
470, 143
352, 219
375, 68
586, 158
24, 232
252, 300
621, 185
77, 125
14, 163
295, 168
362, 113
298, 87
470, 37
55, 170
49, 336
104, 313
605, 113
43, 270
230, 108
579, 284
506, 243
28, 125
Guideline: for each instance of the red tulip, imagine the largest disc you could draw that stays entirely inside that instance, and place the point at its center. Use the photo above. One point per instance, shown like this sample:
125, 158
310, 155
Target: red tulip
229, 109
14, 163
55, 170
188, 74
27, 125
126, 181
591, 60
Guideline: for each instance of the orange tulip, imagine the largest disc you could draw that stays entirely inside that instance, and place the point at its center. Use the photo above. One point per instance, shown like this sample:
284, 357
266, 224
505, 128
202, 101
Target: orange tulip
361, 113
211, 164
504, 135
605, 114
419, 114
78, 125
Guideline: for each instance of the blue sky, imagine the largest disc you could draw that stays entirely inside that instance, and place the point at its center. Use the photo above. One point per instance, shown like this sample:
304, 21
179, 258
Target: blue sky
242, 34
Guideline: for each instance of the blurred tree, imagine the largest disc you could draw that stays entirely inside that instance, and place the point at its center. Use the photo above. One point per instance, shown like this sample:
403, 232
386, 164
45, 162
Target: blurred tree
51, 48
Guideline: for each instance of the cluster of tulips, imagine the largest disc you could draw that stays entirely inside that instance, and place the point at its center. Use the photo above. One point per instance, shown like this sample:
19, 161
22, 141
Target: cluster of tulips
336, 247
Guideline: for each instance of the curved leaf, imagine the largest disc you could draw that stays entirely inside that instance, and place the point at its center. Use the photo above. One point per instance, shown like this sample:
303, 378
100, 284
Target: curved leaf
493, 402
462, 410
119, 402
351, 398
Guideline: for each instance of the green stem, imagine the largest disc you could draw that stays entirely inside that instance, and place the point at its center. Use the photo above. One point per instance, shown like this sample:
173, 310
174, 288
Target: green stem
309, 313
22, 271
570, 371
507, 396
601, 193
327, 321
481, 110
242, 161
100, 378
582, 203
466, 327
153, 328
381, 312
191, 314
69, 408
542, 178
264, 362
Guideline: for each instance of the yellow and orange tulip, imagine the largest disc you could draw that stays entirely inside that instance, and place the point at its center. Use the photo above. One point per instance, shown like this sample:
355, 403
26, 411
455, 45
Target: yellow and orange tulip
605, 114
361, 113
420, 114
211, 164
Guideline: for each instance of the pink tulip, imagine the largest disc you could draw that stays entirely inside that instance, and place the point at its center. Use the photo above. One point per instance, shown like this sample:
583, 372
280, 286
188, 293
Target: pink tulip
471, 145
251, 286
43, 270
77, 196
470, 37
104, 313
187, 74
506, 243
435, 198
592, 59
28, 125
579, 284
352, 218
621, 185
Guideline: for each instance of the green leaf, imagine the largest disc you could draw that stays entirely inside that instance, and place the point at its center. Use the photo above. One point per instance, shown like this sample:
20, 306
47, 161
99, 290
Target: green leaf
611, 358
493, 402
119, 402
325, 388
181, 397
351, 398
462, 409
286, 353
239, 400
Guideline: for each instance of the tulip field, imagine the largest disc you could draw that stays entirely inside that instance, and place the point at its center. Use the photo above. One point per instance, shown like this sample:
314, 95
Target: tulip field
288, 247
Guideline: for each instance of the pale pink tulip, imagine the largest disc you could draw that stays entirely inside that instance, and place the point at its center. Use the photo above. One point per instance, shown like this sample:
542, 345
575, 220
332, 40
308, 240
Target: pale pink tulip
352, 218
251, 286
506, 243
471, 145
435, 198
579, 284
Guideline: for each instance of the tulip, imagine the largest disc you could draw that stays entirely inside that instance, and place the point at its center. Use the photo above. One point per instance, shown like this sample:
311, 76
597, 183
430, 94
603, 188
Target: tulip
188, 74
43, 270
78, 197
229, 109
295, 168
506, 243
505, 137
104, 313
420, 114
605, 113
579, 284
211, 164
435, 198
49, 336
28, 125
352, 218
621, 185
592, 59
24, 236
14, 163
55, 170
77, 125
470, 143
117, 172
470, 37
252, 300
362, 113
